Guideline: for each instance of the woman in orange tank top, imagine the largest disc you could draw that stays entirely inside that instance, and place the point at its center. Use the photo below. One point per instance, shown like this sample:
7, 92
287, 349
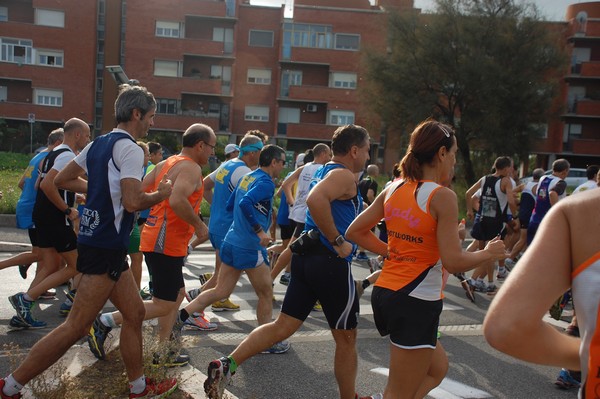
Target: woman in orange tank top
421, 214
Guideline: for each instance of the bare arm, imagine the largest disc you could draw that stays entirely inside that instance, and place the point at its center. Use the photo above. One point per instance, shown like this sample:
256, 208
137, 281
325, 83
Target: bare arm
209, 185
444, 208
339, 184
71, 178
524, 334
188, 180
49, 188
288, 183
359, 231
134, 199
469, 198
510, 195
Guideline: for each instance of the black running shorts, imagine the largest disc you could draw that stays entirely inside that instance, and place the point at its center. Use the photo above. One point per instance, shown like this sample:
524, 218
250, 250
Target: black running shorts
167, 275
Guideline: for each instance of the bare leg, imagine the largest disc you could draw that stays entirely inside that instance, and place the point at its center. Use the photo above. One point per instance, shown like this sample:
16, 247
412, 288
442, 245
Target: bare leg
260, 279
345, 363
58, 277
408, 371
228, 278
437, 371
282, 261
136, 267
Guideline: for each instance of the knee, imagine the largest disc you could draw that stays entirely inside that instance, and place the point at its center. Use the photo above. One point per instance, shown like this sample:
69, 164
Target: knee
135, 315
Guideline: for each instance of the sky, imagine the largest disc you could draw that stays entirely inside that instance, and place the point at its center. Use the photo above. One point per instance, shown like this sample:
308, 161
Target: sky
553, 10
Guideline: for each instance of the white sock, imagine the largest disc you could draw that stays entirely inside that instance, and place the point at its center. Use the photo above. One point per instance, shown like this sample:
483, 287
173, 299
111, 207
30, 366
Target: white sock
11, 386
108, 320
28, 298
138, 385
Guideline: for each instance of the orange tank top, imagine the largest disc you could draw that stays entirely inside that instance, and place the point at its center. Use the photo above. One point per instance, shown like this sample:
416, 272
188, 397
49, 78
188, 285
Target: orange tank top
164, 232
413, 263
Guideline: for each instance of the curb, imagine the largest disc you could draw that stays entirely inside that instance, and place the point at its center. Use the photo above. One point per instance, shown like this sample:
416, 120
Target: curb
8, 220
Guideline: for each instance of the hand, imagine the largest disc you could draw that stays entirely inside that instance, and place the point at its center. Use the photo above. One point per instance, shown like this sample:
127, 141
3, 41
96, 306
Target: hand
496, 249
343, 250
165, 187
74, 214
264, 239
462, 231
470, 214
201, 232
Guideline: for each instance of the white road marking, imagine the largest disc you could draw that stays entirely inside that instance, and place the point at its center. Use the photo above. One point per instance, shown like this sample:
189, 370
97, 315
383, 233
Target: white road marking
448, 389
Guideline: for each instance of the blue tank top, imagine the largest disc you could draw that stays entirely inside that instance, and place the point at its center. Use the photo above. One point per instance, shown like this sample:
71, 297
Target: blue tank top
542, 200
220, 217
27, 198
343, 211
256, 189
102, 225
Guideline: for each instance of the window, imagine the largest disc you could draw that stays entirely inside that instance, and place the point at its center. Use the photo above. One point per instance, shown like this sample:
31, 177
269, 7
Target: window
222, 35
16, 50
220, 72
50, 18
307, 35
256, 113
289, 115
51, 98
343, 80
259, 76
340, 118
3, 14
50, 58
168, 29
167, 68
570, 130
261, 38
345, 41
169, 106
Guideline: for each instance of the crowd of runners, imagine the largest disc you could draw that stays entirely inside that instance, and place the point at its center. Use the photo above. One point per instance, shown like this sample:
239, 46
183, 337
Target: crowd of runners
89, 207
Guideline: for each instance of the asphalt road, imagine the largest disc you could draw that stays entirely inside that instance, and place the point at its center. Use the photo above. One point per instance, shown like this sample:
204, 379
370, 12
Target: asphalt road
476, 370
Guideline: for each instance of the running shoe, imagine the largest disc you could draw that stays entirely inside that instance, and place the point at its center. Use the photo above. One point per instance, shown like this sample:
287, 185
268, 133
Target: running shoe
154, 389
16, 323
317, 307
23, 308
191, 294
96, 337
198, 321
566, 381
502, 273
491, 289
374, 264
509, 264
478, 285
469, 290
362, 256
223, 305
171, 360
3, 395
278, 348
50, 294
23, 270
376, 396
66, 306
285, 279
204, 278
145, 293
218, 377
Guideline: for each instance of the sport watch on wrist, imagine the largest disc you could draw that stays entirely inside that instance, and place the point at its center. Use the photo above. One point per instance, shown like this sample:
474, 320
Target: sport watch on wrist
67, 211
339, 240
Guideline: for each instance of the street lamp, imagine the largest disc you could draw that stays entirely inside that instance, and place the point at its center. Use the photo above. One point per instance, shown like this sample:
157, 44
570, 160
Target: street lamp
31, 119
119, 75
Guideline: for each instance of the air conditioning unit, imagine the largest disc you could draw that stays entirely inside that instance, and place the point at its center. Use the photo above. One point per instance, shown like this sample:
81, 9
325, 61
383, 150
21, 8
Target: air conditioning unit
311, 108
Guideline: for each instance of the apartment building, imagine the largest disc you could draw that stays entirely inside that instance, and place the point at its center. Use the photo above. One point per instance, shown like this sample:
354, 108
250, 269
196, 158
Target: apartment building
575, 133
47, 62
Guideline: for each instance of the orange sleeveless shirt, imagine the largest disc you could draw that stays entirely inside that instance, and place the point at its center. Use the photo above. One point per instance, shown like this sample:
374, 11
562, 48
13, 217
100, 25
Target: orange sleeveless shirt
413, 263
164, 232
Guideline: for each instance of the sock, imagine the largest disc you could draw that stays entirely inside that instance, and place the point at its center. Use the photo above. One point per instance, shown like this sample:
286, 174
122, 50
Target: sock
28, 298
138, 385
11, 386
287, 274
232, 364
108, 320
183, 315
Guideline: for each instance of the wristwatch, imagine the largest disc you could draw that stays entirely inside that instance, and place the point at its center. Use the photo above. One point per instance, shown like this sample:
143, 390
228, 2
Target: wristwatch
67, 211
339, 240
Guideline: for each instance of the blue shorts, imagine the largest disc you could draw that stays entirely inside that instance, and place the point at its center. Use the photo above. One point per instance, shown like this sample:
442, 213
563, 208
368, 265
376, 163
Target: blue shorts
240, 258
216, 240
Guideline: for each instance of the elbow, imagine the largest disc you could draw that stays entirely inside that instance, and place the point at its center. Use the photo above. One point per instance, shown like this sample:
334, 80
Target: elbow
502, 332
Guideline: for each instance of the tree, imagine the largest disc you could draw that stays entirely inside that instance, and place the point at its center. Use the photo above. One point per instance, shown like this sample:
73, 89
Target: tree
489, 68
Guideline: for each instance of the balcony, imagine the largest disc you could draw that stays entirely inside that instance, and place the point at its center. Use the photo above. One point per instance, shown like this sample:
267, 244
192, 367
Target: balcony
584, 108
585, 70
317, 94
585, 147
314, 56
309, 131
183, 121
